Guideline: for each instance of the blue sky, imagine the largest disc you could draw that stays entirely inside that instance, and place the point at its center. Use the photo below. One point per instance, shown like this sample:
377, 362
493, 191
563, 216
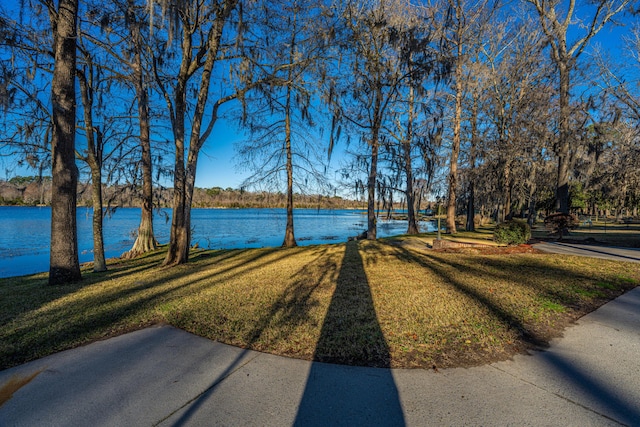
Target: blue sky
217, 166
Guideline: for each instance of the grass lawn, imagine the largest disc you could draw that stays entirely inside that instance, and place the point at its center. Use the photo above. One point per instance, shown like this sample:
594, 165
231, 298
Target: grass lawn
391, 303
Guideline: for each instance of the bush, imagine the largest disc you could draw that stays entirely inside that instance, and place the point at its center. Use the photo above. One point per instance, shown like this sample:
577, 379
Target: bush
560, 223
512, 232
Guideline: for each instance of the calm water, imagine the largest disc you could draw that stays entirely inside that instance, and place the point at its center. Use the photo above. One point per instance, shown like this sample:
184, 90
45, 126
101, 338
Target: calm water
25, 231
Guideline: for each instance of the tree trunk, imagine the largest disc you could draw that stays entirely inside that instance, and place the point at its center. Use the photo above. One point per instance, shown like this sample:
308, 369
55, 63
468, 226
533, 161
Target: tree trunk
471, 209
371, 186
176, 250
64, 265
531, 218
145, 240
389, 203
94, 159
453, 166
457, 124
289, 237
506, 214
99, 262
412, 226
180, 242
373, 167
562, 151
470, 223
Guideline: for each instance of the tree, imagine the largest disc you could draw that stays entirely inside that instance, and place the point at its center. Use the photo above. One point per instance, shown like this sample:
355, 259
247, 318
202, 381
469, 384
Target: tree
64, 265
280, 112
412, 223
201, 26
104, 125
93, 155
24, 99
467, 21
556, 19
517, 76
32, 47
474, 142
419, 65
620, 78
145, 239
362, 99
126, 39
614, 143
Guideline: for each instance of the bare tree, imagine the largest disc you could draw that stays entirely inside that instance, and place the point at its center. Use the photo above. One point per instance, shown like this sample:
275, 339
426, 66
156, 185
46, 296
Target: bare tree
105, 132
467, 19
93, 83
93, 157
200, 26
620, 78
419, 65
474, 142
362, 99
412, 223
280, 114
145, 239
516, 78
126, 40
557, 18
614, 142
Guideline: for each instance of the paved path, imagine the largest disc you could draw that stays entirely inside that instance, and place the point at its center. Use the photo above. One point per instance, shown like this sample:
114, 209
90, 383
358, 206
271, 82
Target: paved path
168, 377
604, 252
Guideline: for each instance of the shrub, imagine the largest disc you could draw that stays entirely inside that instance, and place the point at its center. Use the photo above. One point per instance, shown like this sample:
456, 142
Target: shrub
560, 223
512, 232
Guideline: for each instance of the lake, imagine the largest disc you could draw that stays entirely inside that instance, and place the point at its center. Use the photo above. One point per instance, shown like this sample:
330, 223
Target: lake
25, 231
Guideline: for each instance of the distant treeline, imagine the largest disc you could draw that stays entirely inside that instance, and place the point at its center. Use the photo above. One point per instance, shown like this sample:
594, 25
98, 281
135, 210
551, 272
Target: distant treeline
33, 190
233, 198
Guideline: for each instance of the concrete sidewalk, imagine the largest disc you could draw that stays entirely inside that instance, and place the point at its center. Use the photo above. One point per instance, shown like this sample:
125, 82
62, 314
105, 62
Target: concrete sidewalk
593, 251
165, 376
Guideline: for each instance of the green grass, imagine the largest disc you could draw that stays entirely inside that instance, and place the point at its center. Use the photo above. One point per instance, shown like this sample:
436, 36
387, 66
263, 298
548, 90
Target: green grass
548, 305
387, 303
607, 285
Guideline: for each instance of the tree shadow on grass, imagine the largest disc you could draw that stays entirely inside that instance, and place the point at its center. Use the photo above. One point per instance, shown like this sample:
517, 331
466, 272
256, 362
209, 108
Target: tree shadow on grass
455, 273
597, 388
44, 325
351, 334
558, 283
291, 308
441, 267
